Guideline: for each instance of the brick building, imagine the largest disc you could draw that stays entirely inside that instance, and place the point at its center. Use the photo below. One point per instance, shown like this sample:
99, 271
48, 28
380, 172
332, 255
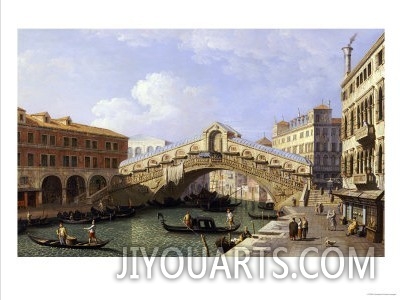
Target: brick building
62, 162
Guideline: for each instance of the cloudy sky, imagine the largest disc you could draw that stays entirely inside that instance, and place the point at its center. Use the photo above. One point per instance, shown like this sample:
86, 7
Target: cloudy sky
173, 83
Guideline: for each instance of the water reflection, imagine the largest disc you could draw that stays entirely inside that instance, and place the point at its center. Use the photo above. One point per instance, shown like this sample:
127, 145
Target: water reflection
143, 230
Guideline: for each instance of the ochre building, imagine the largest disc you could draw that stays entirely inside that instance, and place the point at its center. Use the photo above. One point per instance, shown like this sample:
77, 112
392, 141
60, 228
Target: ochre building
363, 140
61, 162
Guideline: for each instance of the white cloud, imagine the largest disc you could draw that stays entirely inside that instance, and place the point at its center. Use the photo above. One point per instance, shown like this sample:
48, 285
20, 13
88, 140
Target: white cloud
162, 105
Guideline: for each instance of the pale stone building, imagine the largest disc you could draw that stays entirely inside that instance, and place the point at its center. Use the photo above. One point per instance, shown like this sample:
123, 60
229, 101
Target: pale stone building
363, 139
316, 136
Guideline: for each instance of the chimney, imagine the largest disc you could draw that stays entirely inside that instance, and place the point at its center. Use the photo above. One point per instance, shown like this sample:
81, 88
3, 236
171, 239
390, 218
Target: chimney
347, 58
347, 55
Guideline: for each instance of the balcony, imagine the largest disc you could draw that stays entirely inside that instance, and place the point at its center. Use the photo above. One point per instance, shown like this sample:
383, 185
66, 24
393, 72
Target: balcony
365, 134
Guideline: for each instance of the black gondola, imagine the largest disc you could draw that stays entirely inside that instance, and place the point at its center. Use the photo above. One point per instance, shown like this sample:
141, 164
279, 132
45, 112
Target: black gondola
265, 214
200, 224
72, 243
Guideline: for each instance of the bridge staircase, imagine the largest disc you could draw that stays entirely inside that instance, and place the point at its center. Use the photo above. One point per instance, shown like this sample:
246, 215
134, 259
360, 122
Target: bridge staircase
95, 198
316, 196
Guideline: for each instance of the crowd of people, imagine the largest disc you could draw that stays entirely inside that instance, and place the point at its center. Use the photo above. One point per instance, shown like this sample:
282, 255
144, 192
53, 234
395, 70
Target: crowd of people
298, 230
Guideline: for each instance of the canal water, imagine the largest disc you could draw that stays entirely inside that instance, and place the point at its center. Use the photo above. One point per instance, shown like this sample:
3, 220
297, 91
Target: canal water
142, 230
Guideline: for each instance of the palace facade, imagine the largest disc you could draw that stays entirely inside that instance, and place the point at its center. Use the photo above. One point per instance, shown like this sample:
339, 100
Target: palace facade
363, 139
62, 162
316, 136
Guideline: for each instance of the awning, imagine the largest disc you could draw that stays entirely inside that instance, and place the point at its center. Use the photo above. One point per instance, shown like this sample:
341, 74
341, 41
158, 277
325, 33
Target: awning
359, 195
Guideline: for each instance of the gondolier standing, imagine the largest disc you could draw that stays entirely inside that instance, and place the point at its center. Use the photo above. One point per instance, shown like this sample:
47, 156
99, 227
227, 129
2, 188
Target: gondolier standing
229, 218
187, 219
92, 232
62, 233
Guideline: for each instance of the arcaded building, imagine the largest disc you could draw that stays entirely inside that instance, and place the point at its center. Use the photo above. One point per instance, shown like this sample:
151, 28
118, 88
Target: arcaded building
363, 139
62, 162
316, 136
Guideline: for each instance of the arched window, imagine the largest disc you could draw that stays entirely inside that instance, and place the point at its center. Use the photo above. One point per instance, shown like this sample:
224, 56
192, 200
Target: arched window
345, 127
380, 104
351, 165
358, 117
150, 149
138, 151
325, 159
380, 159
352, 122
370, 106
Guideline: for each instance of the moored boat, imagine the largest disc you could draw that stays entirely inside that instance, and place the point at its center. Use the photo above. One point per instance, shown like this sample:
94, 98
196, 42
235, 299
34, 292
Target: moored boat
265, 214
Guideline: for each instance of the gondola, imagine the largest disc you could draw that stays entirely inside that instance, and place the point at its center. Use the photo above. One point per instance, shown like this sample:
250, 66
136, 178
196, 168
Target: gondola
121, 212
200, 224
74, 244
265, 214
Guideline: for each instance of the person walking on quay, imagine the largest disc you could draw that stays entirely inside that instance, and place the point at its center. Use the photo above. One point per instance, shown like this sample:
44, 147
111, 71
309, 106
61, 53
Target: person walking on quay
92, 232
316, 208
62, 233
331, 216
293, 229
299, 229
304, 226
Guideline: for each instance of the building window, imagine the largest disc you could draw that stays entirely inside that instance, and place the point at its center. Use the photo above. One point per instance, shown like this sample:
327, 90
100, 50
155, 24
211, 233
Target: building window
107, 162
66, 142
150, 149
333, 147
301, 135
44, 139
95, 162
379, 58
380, 159
333, 131
52, 140
65, 161
74, 142
138, 151
74, 161
114, 163
88, 144
325, 160
30, 138
43, 160
87, 162
380, 104
19, 159
30, 160
108, 146
317, 146
325, 146
115, 146
52, 160
94, 144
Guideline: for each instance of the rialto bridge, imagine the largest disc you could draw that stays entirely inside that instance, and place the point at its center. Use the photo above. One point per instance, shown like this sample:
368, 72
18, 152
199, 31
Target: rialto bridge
168, 171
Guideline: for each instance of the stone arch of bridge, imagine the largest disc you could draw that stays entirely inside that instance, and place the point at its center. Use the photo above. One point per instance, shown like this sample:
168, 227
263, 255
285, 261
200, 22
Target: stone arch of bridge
154, 185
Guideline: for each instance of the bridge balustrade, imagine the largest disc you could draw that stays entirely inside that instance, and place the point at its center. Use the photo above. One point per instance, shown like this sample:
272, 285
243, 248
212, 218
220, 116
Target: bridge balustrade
211, 162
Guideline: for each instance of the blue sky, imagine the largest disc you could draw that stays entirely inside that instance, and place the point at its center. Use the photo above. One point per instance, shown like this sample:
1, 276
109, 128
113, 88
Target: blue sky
173, 83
